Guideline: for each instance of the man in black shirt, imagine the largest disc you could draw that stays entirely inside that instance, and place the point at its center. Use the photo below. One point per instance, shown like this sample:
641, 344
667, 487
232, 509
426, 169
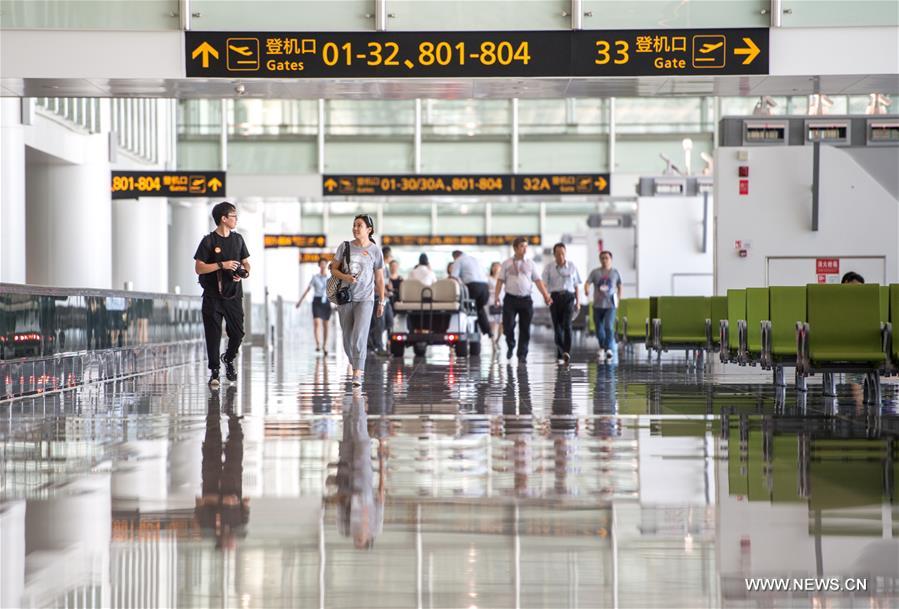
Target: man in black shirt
222, 262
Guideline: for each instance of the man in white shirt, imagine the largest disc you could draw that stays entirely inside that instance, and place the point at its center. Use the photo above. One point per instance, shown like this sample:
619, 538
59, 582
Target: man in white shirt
563, 282
468, 270
423, 272
519, 275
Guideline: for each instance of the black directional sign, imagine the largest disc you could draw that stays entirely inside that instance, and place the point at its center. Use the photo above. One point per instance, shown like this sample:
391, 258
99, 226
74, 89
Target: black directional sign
465, 184
587, 53
134, 184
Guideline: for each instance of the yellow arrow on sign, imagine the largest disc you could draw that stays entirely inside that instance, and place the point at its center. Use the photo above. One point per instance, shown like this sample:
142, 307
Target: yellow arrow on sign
750, 50
601, 183
330, 184
205, 50
214, 184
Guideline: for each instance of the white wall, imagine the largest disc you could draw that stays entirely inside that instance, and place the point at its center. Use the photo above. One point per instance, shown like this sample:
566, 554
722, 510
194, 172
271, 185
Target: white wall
858, 217
669, 247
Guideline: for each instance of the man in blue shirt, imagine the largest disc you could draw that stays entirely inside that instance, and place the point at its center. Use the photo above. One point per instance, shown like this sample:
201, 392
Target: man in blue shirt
607, 295
563, 282
467, 270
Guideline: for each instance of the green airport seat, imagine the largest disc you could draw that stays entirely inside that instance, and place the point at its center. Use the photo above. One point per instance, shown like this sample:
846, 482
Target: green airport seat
717, 312
680, 323
633, 320
884, 304
730, 339
786, 306
843, 333
620, 314
751, 328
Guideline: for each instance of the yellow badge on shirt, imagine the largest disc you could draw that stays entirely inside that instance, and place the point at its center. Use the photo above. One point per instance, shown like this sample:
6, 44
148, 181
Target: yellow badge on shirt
218, 250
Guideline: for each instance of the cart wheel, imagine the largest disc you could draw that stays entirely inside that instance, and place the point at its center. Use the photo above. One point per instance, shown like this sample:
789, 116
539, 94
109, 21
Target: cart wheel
474, 348
462, 349
397, 348
420, 349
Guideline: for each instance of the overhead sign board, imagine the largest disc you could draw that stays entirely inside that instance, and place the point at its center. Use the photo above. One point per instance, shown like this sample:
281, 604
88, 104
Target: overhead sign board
426, 240
134, 184
313, 257
465, 184
271, 241
585, 53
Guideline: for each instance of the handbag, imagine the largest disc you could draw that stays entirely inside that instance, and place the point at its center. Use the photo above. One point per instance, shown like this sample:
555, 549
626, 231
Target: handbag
338, 292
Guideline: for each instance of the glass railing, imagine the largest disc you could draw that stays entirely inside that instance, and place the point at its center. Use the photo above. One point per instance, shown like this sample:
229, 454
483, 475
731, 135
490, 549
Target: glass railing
52, 338
41, 322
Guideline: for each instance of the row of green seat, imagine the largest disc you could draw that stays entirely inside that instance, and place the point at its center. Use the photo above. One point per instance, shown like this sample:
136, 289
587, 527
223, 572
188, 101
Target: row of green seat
817, 328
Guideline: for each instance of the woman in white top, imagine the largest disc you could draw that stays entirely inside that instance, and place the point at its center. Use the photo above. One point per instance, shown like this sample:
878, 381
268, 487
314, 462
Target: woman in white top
496, 311
321, 308
423, 272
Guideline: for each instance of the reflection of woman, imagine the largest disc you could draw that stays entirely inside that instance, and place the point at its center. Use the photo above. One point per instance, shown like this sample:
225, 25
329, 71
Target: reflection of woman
360, 508
222, 509
496, 311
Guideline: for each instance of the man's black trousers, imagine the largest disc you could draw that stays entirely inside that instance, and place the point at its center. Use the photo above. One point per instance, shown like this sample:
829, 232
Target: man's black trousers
479, 292
523, 308
561, 311
214, 311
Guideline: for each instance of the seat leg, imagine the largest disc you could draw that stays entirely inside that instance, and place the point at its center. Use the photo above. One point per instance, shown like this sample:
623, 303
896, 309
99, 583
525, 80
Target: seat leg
801, 382
779, 376
873, 390
830, 384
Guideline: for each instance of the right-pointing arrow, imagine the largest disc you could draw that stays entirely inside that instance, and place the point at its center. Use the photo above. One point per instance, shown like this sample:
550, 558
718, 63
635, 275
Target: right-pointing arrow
750, 50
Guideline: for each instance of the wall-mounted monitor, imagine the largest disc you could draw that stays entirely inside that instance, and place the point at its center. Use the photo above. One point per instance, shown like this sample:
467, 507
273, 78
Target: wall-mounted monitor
765, 132
833, 132
883, 132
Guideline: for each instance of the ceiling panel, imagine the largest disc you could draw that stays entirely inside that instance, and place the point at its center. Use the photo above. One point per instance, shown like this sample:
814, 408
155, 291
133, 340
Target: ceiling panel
452, 88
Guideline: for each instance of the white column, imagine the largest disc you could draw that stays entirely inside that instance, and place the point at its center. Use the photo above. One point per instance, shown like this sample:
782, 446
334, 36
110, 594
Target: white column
12, 554
140, 244
69, 221
12, 192
190, 221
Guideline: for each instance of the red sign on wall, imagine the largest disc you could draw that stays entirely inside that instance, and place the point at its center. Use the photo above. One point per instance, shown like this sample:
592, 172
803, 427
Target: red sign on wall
827, 266
744, 187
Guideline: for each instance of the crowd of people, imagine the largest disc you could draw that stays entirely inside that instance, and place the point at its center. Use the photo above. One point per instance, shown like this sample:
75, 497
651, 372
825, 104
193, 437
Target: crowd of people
502, 296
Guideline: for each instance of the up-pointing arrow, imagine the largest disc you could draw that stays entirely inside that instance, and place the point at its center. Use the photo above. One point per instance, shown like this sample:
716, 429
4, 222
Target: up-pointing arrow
205, 49
214, 184
330, 184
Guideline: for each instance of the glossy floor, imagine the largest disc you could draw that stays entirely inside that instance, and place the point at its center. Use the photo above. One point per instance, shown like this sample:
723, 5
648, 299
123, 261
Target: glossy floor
449, 482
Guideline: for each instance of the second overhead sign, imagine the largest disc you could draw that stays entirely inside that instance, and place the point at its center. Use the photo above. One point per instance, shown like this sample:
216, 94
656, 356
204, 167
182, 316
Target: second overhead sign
465, 184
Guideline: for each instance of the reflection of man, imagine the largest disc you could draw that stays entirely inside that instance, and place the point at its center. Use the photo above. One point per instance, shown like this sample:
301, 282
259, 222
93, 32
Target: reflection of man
360, 507
222, 510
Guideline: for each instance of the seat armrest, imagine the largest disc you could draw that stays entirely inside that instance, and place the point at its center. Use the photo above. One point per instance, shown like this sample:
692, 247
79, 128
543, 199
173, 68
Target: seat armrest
803, 363
657, 333
724, 332
886, 334
743, 348
767, 355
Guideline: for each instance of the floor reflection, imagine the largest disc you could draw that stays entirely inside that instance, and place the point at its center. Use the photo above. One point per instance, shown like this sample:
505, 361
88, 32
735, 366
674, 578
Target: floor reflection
447, 482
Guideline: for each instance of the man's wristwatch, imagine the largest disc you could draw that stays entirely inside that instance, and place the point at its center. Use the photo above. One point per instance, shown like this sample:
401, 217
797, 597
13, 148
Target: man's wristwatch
221, 266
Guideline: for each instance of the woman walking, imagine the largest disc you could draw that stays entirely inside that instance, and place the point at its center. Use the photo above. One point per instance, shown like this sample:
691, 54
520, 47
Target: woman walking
366, 278
496, 311
321, 308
